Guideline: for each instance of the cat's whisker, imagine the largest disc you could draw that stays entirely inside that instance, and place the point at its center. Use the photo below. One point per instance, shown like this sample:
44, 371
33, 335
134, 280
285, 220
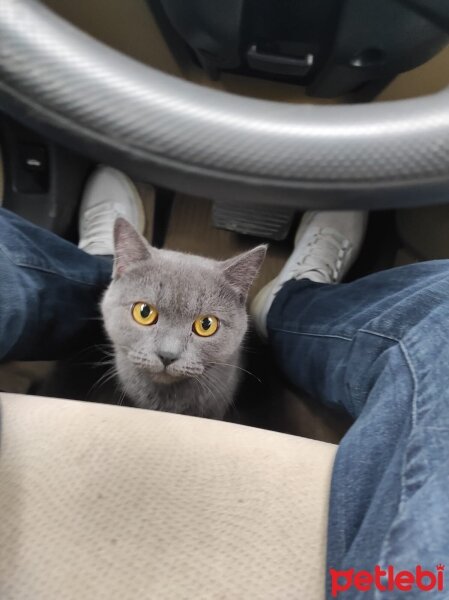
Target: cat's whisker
101, 363
235, 367
107, 360
251, 349
217, 383
107, 349
203, 388
208, 389
196, 380
122, 398
107, 376
78, 355
91, 319
110, 373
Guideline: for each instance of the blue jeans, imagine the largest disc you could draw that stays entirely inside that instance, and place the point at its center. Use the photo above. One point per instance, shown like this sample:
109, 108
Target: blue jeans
378, 349
49, 292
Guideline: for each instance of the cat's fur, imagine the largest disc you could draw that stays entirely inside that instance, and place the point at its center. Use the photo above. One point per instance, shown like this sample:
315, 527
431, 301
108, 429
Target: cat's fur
203, 379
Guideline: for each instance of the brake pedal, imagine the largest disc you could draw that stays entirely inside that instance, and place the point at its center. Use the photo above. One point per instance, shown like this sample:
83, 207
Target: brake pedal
257, 220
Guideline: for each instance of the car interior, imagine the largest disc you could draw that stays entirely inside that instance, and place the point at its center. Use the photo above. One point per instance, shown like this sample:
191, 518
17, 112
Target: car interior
232, 119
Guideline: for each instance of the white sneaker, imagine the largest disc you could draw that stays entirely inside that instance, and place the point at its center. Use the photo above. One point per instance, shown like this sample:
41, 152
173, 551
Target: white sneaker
326, 246
108, 194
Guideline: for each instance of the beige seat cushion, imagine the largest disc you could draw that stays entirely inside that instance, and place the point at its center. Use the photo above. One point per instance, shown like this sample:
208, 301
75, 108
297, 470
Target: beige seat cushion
104, 502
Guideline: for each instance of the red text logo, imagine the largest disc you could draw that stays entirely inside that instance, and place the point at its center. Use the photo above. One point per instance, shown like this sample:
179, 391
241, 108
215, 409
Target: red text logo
387, 580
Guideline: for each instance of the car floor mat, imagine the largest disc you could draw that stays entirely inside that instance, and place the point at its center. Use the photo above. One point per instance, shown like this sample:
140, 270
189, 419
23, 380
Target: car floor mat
191, 230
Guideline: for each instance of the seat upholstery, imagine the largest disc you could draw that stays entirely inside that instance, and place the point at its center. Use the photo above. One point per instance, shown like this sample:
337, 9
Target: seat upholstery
105, 502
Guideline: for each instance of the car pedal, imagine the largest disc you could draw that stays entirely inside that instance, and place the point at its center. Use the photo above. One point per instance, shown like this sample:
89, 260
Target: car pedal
257, 220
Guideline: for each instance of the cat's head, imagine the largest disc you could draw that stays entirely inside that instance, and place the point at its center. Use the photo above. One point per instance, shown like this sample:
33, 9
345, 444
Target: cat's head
171, 315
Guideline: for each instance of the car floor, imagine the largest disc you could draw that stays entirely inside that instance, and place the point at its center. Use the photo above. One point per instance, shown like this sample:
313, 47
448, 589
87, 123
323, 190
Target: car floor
265, 399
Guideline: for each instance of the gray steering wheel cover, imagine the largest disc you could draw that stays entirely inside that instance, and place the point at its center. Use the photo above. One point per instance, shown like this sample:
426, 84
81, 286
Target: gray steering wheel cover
189, 138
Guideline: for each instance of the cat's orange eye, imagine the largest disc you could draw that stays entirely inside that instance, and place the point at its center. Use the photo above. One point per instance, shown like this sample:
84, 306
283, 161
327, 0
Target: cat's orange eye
144, 313
206, 325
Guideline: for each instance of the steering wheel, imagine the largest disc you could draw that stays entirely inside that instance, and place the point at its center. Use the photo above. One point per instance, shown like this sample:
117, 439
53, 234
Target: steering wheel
62, 82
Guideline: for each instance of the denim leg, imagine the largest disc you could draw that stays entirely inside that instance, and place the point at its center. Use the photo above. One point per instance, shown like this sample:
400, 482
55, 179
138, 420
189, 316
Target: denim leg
49, 292
378, 349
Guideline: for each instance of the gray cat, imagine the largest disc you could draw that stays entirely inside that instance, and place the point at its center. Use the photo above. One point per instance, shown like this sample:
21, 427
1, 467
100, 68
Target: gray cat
176, 322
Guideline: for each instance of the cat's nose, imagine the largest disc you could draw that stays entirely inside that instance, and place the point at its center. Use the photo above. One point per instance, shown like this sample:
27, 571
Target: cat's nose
167, 358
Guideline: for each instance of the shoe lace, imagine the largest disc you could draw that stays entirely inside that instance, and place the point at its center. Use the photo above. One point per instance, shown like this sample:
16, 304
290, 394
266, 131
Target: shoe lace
324, 245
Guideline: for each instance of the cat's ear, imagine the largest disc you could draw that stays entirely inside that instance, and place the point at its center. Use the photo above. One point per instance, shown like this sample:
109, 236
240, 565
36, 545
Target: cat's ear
129, 247
241, 270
